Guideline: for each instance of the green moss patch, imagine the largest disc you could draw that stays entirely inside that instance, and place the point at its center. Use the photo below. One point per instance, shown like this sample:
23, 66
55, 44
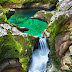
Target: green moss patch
9, 47
27, 44
48, 16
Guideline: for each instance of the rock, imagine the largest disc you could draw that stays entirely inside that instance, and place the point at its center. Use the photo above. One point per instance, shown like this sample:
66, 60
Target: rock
63, 8
9, 63
36, 37
65, 67
11, 5
66, 61
59, 39
22, 29
70, 49
39, 15
47, 34
43, 16
63, 47
10, 12
21, 40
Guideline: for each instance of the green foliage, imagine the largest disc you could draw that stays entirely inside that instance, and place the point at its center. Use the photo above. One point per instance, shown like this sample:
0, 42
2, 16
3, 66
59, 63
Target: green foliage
9, 47
49, 14
24, 61
54, 30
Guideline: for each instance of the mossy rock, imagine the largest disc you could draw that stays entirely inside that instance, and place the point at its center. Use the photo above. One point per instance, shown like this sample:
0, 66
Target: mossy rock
4, 18
27, 44
9, 47
48, 16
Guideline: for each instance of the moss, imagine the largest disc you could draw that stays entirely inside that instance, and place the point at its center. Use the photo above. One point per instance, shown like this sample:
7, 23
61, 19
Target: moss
54, 30
9, 32
57, 5
0, 9
9, 47
27, 44
4, 18
48, 16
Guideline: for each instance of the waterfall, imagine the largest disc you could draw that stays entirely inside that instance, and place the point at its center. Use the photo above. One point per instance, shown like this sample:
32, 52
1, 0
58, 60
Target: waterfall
40, 57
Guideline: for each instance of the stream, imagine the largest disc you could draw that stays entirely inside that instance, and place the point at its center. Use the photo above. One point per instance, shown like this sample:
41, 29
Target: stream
40, 57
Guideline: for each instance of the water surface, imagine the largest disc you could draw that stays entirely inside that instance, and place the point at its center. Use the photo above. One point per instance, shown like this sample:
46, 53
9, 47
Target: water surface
21, 19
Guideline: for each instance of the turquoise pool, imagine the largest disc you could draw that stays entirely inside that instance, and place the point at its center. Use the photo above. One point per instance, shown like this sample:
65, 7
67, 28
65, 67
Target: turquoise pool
21, 19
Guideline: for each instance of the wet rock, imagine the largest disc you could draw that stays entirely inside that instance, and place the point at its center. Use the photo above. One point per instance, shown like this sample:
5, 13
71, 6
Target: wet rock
22, 29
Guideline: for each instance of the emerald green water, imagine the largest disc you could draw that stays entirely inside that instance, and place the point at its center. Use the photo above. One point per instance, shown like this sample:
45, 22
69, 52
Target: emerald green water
21, 19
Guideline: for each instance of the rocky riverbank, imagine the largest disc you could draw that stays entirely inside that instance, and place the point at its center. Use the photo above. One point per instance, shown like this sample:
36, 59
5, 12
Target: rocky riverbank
59, 34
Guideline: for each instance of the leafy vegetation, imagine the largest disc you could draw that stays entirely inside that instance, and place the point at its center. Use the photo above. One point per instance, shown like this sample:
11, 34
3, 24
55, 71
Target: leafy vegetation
54, 30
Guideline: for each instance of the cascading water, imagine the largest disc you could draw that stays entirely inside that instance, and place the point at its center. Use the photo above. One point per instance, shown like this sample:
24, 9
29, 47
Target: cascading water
40, 57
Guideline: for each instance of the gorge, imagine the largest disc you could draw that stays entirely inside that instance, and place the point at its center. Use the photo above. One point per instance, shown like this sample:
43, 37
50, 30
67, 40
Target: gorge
23, 48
